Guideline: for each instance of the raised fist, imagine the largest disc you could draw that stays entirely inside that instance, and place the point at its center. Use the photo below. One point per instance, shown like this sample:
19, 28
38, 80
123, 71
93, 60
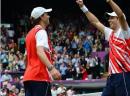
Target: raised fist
80, 2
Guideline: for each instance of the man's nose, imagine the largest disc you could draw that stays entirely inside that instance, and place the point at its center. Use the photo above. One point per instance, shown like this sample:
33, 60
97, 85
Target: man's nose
48, 16
109, 20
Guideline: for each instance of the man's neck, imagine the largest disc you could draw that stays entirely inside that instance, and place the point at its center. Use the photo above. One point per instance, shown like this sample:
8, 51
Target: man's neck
43, 25
117, 28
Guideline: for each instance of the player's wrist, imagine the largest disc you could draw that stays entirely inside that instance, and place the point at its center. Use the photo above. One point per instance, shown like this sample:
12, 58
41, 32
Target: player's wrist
50, 67
84, 9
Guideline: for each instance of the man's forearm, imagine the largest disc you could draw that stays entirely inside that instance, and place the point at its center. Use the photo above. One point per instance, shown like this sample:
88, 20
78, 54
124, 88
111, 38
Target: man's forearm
115, 8
92, 18
43, 57
94, 21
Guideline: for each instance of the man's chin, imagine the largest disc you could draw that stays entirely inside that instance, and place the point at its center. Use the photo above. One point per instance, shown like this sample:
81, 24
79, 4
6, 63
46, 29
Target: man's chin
111, 27
48, 23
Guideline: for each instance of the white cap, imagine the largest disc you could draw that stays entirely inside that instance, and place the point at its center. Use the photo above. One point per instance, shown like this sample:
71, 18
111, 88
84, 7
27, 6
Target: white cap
112, 14
38, 11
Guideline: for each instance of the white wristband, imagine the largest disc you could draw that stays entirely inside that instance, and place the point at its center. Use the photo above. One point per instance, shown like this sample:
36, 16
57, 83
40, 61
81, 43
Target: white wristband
84, 9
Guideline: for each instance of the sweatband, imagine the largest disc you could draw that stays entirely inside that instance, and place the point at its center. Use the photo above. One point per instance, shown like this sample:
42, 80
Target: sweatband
84, 9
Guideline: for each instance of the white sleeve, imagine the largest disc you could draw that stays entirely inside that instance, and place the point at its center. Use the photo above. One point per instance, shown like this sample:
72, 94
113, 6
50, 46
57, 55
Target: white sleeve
42, 38
107, 32
127, 34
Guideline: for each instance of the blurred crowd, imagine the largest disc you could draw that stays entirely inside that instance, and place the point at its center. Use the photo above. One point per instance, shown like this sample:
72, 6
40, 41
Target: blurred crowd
74, 41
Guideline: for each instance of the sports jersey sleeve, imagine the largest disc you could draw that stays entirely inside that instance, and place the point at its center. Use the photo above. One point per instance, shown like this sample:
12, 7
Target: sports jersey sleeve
41, 38
107, 32
127, 34
127, 37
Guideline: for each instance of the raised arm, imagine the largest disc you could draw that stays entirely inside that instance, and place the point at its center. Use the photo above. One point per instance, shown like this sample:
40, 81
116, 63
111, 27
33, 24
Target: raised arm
91, 17
119, 13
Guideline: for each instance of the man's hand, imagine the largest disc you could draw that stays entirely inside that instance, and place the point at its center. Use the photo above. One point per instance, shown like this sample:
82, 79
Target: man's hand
80, 3
108, 0
55, 74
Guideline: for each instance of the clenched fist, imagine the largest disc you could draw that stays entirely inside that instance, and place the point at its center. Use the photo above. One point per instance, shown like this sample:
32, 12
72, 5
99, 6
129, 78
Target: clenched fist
80, 2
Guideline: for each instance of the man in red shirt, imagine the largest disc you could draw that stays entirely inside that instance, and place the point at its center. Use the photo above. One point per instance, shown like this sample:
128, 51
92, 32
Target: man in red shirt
118, 35
40, 69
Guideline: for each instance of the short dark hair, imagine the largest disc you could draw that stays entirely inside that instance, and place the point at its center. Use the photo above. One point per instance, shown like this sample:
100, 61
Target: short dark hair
34, 21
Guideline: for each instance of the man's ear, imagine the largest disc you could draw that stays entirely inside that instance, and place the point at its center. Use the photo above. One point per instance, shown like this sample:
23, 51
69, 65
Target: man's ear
117, 18
42, 16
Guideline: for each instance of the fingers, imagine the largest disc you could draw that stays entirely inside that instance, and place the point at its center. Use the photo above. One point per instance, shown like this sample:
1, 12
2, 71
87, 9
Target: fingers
79, 1
56, 74
57, 77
